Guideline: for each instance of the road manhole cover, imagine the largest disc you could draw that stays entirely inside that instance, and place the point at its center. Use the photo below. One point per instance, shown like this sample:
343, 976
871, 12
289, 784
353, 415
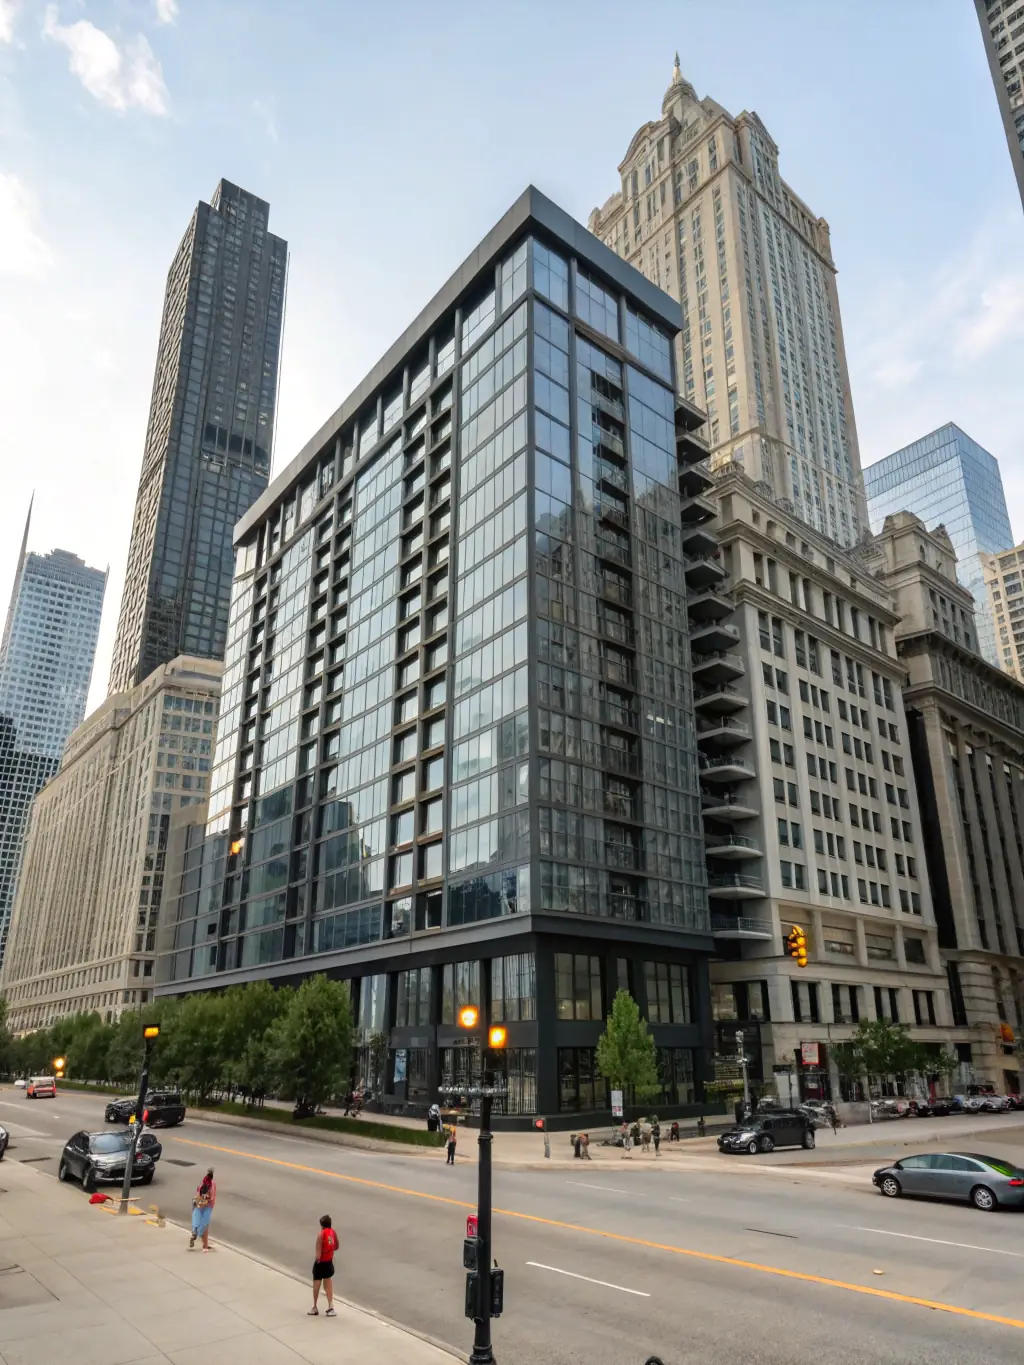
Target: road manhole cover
171, 1161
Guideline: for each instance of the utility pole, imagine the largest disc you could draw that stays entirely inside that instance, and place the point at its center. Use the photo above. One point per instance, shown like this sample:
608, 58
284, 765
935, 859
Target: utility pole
741, 1057
150, 1034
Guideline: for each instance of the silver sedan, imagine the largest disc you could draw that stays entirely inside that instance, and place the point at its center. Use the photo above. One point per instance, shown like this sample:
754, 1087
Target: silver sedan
987, 1182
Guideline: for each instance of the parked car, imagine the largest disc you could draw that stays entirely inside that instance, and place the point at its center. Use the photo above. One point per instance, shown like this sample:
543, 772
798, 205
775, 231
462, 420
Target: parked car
937, 1106
765, 1132
20, 1083
100, 1158
984, 1181
5, 1138
162, 1108
150, 1144
41, 1088
978, 1101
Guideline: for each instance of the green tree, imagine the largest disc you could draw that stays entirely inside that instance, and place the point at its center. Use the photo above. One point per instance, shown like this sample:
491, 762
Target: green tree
194, 1044
626, 1056
124, 1050
378, 1061
312, 1041
886, 1049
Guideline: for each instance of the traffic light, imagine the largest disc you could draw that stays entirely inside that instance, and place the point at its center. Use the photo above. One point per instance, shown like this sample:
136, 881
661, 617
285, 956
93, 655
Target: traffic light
540, 1125
497, 1036
151, 1032
796, 945
469, 1016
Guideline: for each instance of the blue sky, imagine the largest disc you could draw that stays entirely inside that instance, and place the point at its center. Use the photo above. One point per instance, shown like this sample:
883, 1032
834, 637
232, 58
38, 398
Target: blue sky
389, 137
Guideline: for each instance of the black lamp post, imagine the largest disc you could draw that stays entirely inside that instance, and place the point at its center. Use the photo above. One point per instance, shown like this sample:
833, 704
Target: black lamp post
484, 1285
150, 1034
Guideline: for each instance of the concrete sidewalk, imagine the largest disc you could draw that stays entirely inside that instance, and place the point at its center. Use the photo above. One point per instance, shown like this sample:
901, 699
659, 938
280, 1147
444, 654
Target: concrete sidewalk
80, 1284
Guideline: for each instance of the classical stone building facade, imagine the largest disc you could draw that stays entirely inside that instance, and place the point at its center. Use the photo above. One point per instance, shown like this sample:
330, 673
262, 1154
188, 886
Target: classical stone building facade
810, 812
704, 213
83, 931
966, 722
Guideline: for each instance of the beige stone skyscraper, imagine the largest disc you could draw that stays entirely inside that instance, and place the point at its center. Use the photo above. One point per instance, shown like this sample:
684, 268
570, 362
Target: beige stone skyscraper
704, 214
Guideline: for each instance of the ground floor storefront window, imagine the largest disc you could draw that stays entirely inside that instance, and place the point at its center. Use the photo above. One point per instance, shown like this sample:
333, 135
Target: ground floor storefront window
580, 1088
675, 1070
520, 1067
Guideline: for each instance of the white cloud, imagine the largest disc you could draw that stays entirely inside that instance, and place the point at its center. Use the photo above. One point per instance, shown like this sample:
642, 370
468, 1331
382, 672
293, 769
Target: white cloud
166, 11
8, 13
120, 77
22, 251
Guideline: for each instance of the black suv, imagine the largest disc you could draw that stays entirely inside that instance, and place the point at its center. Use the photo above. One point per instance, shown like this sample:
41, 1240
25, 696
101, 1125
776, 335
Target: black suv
765, 1132
161, 1107
100, 1158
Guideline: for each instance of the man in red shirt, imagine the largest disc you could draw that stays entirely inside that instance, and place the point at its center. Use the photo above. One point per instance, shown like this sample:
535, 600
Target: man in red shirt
323, 1266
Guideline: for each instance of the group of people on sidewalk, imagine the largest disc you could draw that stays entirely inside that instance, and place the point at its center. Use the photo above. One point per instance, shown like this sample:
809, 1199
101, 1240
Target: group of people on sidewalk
645, 1135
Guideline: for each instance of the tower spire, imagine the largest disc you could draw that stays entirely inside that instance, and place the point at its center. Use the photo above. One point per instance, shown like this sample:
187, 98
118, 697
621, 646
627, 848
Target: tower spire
677, 69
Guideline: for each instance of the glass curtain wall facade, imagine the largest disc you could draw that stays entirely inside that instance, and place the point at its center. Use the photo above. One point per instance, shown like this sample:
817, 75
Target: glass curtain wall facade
457, 718
946, 478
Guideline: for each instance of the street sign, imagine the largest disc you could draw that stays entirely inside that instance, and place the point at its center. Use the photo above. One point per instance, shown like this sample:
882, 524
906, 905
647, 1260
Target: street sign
616, 1104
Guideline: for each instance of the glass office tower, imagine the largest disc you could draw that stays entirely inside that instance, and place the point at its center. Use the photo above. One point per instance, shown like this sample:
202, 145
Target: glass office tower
946, 478
458, 761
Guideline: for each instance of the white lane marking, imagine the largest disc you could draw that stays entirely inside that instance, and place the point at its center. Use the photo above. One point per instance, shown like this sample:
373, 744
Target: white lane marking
9, 1104
29, 1132
673, 1200
603, 1283
609, 1189
939, 1241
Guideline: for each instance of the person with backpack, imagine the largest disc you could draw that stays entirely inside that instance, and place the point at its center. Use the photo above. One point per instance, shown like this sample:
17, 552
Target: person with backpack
323, 1267
202, 1210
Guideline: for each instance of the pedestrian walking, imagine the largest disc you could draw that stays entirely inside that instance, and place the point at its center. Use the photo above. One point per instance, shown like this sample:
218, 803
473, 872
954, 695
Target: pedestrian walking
673, 1132
577, 1146
452, 1140
323, 1267
656, 1137
701, 1127
586, 1147
830, 1113
203, 1201
627, 1142
645, 1138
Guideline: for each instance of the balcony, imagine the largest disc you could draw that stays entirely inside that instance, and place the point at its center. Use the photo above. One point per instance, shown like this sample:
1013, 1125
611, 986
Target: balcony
608, 511
615, 591
615, 672
623, 856
697, 509
718, 666
612, 475
711, 603
712, 637
735, 886
727, 768
626, 907
608, 549
732, 846
740, 926
702, 570
619, 760
620, 716
728, 806
691, 443
724, 732
604, 439
615, 630
612, 406
720, 697
694, 479
621, 805
698, 540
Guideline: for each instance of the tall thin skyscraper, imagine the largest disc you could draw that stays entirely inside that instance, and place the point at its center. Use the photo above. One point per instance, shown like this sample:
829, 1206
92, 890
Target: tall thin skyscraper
703, 213
46, 658
210, 434
946, 478
1002, 29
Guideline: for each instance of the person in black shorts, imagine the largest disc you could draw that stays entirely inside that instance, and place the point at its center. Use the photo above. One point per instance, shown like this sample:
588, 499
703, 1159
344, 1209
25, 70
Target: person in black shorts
323, 1266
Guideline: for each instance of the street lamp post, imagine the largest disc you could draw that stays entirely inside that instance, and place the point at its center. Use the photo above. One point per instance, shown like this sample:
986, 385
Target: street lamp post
150, 1034
485, 1287
741, 1057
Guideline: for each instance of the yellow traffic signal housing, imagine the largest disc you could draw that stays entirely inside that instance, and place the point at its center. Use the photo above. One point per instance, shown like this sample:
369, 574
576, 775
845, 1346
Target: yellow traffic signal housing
796, 945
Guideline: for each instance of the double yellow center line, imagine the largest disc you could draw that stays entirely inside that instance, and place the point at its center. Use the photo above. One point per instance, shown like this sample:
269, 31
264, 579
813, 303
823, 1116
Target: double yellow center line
711, 1256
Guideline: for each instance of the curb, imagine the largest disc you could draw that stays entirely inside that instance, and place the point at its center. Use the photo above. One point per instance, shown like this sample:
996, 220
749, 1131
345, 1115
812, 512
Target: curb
286, 1130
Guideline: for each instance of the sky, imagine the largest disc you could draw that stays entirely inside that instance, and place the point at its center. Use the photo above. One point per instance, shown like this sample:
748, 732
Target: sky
389, 138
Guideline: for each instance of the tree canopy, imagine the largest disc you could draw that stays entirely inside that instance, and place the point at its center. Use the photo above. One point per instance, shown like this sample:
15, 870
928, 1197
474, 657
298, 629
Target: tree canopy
626, 1055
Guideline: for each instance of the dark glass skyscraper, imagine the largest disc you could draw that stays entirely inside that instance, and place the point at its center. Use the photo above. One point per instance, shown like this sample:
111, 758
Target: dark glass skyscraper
458, 761
210, 433
947, 479
46, 658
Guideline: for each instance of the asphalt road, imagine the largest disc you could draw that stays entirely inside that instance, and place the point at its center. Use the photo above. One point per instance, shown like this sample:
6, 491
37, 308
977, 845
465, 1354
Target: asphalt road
604, 1265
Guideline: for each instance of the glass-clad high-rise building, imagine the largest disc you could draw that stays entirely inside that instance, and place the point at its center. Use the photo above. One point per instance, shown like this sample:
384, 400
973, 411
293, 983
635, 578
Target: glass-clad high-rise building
947, 478
46, 659
458, 761
210, 434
